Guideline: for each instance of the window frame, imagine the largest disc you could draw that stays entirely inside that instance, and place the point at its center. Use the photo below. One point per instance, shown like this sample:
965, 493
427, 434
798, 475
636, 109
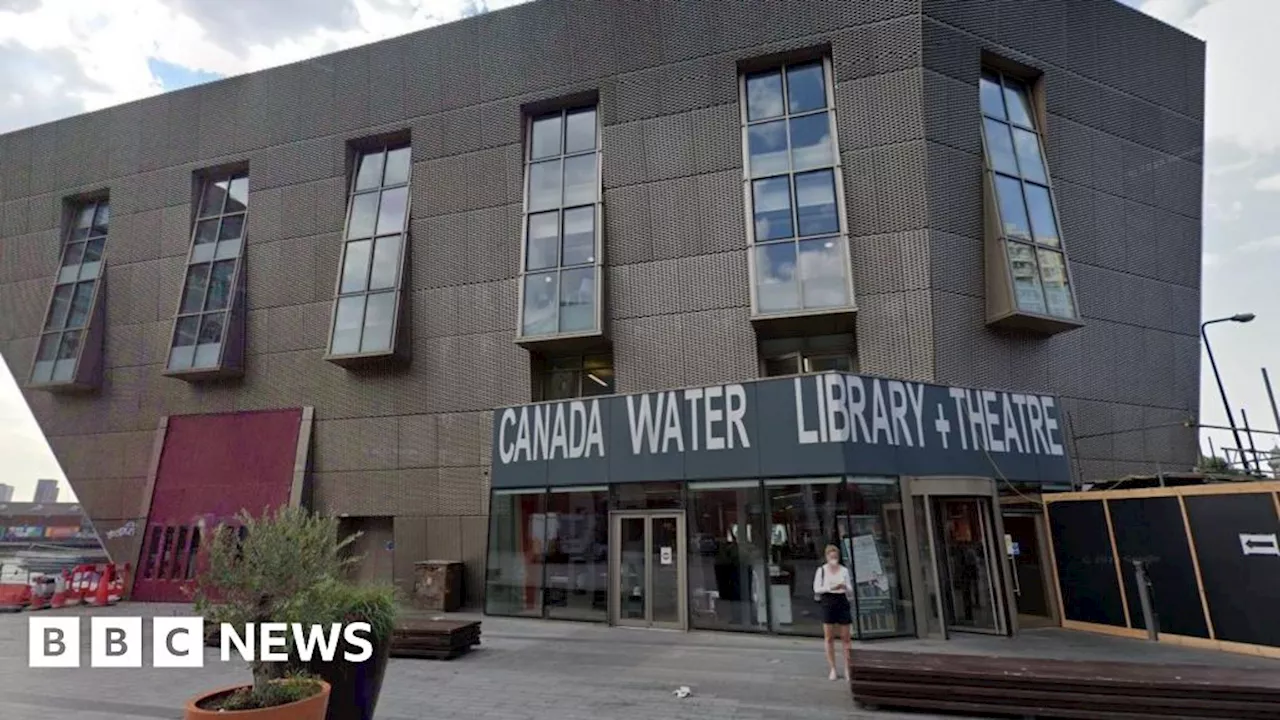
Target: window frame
836, 168
384, 147
91, 329
234, 310
804, 360
995, 219
597, 266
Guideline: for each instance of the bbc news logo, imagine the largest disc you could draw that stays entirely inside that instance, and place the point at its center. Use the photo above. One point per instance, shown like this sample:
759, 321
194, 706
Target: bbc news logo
178, 642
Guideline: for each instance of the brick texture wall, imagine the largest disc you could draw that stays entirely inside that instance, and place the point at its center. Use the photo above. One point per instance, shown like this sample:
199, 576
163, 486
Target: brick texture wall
1124, 98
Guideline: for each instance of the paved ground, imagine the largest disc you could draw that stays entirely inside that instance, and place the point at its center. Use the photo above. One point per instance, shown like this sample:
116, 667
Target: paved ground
541, 670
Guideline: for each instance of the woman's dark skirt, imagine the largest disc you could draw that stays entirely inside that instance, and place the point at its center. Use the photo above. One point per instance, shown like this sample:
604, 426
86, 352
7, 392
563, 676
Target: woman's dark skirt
836, 610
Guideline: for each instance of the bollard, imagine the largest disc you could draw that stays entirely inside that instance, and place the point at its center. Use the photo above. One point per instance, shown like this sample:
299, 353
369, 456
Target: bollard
1144, 597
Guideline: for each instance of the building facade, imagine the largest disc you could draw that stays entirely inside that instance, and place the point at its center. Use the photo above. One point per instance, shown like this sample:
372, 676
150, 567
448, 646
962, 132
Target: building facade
383, 245
46, 491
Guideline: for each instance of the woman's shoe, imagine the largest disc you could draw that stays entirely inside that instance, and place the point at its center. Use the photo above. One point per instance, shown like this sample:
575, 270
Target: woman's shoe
833, 675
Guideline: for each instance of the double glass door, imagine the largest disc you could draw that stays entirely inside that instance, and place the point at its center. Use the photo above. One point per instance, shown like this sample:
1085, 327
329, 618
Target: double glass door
648, 570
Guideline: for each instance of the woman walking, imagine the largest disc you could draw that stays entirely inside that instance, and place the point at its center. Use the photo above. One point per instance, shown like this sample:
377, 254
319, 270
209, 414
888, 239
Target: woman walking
833, 588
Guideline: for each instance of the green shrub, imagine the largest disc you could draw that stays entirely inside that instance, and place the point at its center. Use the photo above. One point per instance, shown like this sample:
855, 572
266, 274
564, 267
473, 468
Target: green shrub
271, 694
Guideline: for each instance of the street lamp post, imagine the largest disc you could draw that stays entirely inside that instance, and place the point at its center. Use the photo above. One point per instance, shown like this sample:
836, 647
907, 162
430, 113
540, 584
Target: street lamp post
1240, 318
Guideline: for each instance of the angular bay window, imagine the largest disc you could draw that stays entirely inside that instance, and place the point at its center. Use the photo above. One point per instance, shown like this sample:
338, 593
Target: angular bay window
208, 330
69, 355
1029, 281
794, 192
368, 307
560, 288
780, 357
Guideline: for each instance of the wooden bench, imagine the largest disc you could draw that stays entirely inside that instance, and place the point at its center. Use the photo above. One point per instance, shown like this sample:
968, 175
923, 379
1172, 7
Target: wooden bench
434, 639
1044, 688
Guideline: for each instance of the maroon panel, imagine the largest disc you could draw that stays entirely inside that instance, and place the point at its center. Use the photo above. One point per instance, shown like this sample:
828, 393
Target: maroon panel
212, 467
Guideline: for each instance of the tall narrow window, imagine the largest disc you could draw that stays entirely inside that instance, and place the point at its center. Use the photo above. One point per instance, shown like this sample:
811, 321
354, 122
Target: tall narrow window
560, 292
794, 191
69, 328
367, 310
207, 329
1024, 215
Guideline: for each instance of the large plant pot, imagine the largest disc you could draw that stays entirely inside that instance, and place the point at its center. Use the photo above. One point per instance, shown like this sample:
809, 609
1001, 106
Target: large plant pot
355, 686
312, 708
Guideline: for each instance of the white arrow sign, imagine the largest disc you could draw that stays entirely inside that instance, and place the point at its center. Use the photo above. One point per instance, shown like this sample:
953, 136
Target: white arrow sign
1259, 544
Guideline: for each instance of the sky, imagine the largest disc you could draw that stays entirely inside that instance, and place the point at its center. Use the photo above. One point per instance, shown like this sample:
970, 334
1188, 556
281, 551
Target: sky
63, 57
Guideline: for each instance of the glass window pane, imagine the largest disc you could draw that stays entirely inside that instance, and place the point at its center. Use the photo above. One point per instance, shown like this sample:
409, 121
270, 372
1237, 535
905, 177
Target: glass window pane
206, 231
1026, 278
193, 290
70, 345
561, 385
84, 218
1019, 102
580, 131
729, 578
544, 185
207, 355
219, 295
597, 381
782, 366
1040, 207
811, 142
42, 372
579, 236
878, 554
1013, 213
232, 227
93, 250
58, 309
392, 209
828, 363
767, 148
238, 195
1028, 145
777, 288
80, 301
517, 536
210, 328
370, 173
73, 253
999, 147
1053, 273
227, 249
355, 267
347, 325
379, 318
101, 219
806, 89
771, 200
580, 180
544, 241
182, 358
213, 198
578, 300
79, 233
802, 522
816, 203
397, 170
546, 137
578, 555
989, 95
363, 210
541, 293
185, 333
386, 263
822, 273
764, 95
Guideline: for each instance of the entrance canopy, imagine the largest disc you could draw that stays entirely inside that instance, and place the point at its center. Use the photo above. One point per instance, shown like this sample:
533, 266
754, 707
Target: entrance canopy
827, 424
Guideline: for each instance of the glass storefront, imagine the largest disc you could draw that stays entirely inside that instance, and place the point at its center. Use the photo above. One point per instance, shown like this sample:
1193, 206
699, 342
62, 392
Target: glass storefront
752, 548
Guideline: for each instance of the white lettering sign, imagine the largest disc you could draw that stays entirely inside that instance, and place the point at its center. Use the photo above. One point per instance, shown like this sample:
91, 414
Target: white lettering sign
1259, 544
557, 431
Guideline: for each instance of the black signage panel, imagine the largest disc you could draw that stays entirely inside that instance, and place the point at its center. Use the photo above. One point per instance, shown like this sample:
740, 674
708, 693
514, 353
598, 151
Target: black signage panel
1237, 540
828, 424
1086, 563
1151, 530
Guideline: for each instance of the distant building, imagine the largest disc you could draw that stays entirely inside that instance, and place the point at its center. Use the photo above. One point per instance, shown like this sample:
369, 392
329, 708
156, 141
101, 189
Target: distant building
6, 492
46, 491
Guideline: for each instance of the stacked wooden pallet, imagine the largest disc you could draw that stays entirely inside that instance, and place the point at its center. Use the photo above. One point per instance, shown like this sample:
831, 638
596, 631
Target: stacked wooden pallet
1043, 688
434, 639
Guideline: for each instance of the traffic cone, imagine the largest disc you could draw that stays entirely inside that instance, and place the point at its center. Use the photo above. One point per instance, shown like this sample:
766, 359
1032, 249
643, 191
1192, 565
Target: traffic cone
102, 597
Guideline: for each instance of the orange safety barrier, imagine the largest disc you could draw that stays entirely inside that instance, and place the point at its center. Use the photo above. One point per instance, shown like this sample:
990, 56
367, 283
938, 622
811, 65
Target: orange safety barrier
42, 588
14, 597
59, 597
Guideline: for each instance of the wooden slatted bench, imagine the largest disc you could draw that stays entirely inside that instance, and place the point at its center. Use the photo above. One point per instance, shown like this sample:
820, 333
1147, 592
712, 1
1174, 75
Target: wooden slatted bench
1044, 688
434, 639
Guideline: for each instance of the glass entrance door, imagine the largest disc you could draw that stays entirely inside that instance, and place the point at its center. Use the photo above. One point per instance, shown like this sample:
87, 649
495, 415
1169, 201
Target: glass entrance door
648, 570
966, 559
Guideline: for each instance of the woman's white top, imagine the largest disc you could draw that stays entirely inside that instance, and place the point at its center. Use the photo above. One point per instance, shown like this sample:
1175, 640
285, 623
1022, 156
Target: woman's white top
825, 580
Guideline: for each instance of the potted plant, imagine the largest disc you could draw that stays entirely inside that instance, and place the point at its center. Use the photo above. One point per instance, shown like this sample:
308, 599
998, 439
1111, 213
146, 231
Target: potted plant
355, 685
260, 573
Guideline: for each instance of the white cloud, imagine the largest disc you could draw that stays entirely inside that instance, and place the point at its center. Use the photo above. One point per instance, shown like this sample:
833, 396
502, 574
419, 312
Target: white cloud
1266, 244
1271, 183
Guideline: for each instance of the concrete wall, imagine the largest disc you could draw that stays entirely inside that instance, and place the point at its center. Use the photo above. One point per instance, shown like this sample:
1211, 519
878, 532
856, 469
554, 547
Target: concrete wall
1124, 98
